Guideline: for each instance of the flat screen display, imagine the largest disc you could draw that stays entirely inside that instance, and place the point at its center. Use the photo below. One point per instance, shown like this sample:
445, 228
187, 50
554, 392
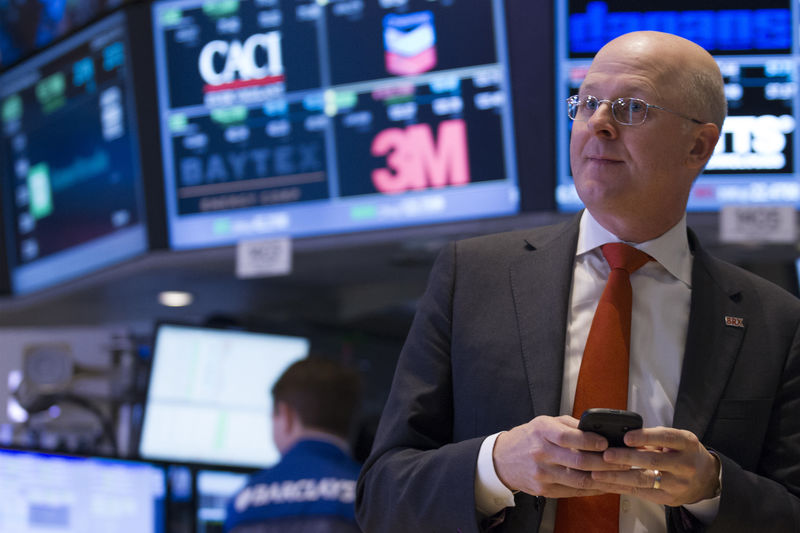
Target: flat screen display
29, 25
753, 42
209, 398
69, 159
307, 118
48, 492
214, 490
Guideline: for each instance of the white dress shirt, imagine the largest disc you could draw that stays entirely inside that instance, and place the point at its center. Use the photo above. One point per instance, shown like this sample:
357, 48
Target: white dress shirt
659, 324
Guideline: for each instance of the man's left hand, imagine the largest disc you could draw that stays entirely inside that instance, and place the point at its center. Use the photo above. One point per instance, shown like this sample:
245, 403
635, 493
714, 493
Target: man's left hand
687, 472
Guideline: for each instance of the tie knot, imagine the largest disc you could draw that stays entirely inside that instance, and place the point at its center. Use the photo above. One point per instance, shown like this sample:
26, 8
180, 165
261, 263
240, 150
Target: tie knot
624, 256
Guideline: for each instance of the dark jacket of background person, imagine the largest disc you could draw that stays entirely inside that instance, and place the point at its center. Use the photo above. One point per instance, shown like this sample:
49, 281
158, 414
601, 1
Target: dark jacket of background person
312, 490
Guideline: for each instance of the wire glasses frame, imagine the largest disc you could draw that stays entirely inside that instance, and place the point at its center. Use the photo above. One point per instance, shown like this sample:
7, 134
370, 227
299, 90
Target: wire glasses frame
626, 111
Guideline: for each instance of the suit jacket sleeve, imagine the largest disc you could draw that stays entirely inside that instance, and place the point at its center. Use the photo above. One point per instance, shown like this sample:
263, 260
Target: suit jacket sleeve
769, 498
417, 478
484, 354
755, 426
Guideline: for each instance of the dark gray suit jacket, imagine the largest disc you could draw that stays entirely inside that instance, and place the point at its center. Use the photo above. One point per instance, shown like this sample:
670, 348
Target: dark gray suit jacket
485, 353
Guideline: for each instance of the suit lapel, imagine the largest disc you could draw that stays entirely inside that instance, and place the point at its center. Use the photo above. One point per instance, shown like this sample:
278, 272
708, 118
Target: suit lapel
712, 345
540, 283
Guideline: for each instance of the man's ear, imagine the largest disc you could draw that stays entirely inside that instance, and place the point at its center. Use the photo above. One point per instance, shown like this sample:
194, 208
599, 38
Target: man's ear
287, 415
705, 139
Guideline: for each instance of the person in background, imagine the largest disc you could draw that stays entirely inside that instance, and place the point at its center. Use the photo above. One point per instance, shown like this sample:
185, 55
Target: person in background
312, 488
480, 430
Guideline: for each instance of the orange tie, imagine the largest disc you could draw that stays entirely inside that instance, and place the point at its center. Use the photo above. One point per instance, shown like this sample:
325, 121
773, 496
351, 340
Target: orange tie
603, 380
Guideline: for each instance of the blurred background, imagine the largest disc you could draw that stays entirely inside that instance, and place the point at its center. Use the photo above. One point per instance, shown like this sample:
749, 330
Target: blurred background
196, 193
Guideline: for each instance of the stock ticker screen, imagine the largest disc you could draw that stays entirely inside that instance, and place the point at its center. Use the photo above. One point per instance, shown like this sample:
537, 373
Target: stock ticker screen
306, 118
70, 169
754, 45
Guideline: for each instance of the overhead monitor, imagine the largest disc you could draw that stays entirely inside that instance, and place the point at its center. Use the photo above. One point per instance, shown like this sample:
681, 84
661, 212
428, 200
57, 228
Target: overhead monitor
309, 118
50, 492
70, 169
215, 488
795, 283
755, 46
30, 25
209, 397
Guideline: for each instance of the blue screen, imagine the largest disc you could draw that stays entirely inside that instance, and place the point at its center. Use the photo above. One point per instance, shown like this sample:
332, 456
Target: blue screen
307, 118
214, 491
48, 492
29, 25
754, 161
70, 169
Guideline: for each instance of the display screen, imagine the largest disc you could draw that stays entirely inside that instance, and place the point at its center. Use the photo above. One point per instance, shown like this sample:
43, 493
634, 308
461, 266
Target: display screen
29, 25
209, 398
214, 491
47, 492
754, 161
69, 159
306, 118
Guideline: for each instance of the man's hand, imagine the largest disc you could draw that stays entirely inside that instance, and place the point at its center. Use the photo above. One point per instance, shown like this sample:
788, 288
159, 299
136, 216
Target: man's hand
551, 457
689, 472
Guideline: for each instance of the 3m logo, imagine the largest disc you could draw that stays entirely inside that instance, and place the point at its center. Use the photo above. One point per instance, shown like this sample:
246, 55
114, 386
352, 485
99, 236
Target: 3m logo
415, 160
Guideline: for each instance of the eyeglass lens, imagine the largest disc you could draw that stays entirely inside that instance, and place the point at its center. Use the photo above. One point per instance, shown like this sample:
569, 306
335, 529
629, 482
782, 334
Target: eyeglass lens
624, 110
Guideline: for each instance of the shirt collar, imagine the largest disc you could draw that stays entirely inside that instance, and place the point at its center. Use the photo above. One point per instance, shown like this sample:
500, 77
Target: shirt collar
671, 249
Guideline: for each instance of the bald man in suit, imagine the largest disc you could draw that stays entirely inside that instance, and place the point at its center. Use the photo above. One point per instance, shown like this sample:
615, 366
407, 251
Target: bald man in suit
477, 432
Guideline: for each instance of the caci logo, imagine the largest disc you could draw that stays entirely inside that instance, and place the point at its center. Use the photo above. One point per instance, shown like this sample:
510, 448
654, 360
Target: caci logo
257, 61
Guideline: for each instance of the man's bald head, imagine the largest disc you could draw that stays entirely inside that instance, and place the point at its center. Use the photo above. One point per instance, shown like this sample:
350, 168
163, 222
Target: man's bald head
690, 76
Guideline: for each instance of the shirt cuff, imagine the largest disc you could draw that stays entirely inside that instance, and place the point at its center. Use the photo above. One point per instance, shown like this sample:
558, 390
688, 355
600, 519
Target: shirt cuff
491, 496
706, 510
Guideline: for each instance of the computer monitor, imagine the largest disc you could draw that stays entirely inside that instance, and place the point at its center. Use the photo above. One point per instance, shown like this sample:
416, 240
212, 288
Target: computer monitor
314, 118
754, 43
70, 166
30, 25
209, 397
214, 490
50, 492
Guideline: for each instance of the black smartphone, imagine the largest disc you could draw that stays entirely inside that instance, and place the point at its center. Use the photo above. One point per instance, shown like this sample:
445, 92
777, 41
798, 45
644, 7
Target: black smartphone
610, 423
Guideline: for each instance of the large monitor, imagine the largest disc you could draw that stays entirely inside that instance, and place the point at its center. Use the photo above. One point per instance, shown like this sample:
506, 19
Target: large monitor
755, 46
70, 166
30, 25
308, 118
48, 492
209, 398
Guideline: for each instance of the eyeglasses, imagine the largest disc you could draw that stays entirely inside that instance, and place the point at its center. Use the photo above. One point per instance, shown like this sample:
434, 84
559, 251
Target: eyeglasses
627, 111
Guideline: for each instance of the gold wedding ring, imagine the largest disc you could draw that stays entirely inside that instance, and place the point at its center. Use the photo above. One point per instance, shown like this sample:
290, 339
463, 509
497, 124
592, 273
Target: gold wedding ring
657, 479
